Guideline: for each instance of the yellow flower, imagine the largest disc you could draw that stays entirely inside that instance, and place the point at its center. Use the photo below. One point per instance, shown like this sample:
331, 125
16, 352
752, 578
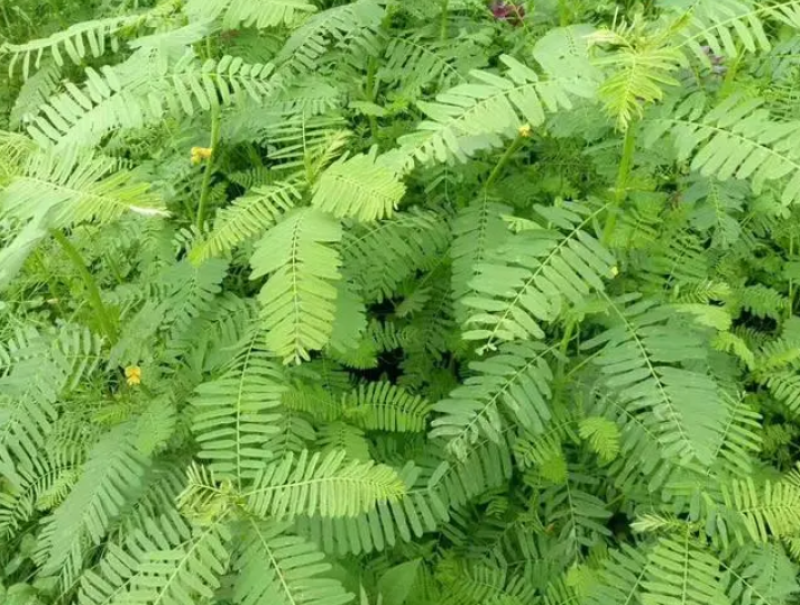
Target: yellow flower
614, 271
133, 375
525, 131
201, 153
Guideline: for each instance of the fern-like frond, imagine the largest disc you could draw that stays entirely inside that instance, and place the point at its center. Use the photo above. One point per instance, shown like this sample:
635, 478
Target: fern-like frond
347, 22
169, 576
785, 387
349, 326
297, 137
274, 566
16, 149
92, 188
408, 242
261, 14
189, 292
111, 579
736, 139
566, 50
38, 369
482, 583
640, 359
538, 272
761, 301
639, 70
295, 434
345, 437
77, 42
420, 510
248, 216
417, 63
603, 436
544, 451
309, 483
478, 115
34, 481
485, 465
108, 479
770, 509
678, 572
640, 460
235, 414
760, 575
34, 93
621, 578
727, 27
477, 230
141, 91
579, 517
382, 406
299, 298
358, 187
739, 440
514, 383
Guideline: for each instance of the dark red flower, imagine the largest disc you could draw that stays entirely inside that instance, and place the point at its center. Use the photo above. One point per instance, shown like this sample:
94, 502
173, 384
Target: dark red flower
507, 11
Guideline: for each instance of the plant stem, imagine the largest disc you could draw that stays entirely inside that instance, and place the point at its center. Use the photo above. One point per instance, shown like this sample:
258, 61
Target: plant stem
205, 187
730, 74
503, 161
371, 93
563, 13
620, 190
5, 17
791, 281
93, 292
565, 340
443, 24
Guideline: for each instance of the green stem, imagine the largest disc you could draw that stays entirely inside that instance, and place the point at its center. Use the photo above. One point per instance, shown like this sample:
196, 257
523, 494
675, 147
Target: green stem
51, 285
730, 75
791, 281
620, 190
371, 94
567, 338
563, 13
95, 300
5, 18
445, 16
504, 160
205, 187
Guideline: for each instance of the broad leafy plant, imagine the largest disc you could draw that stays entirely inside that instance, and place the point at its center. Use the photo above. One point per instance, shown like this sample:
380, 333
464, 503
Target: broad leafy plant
399, 302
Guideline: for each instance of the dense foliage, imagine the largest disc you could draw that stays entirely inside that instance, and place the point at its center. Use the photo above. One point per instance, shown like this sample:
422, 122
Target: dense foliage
309, 302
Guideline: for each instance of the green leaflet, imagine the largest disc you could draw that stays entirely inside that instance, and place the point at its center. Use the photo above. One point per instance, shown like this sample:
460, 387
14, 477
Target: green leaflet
328, 485
303, 272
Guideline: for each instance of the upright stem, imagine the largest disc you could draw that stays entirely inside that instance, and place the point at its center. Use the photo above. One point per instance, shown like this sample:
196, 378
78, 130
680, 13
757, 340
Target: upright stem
730, 74
565, 340
371, 93
92, 290
5, 17
445, 16
620, 189
205, 187
791, 281
504, 160
563, 13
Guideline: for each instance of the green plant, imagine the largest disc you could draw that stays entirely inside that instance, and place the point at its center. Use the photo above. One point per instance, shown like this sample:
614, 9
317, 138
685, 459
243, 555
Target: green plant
310, 302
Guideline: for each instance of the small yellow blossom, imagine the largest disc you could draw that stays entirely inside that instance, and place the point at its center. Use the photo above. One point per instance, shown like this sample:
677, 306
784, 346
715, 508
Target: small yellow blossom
614, 271
133, 375
525, 131
201, 153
